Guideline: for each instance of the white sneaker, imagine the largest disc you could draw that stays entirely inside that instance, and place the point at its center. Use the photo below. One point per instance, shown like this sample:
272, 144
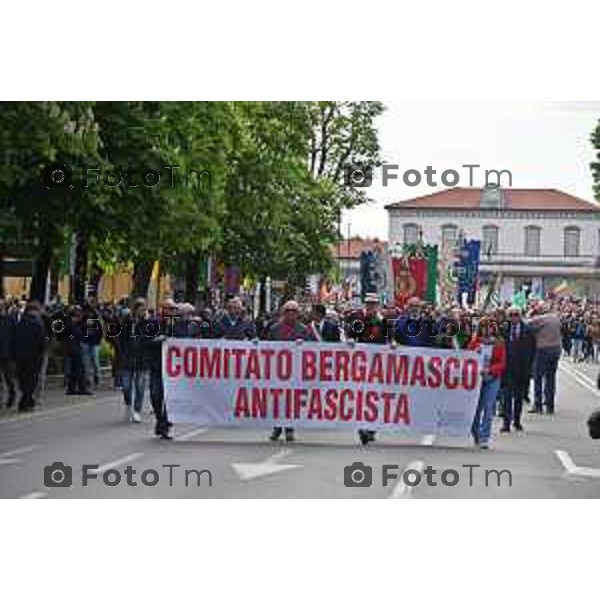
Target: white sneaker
135, 417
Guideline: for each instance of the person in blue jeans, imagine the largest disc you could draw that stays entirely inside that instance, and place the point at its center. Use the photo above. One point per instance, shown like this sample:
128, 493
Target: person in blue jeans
132, 346
545, 367
489, 343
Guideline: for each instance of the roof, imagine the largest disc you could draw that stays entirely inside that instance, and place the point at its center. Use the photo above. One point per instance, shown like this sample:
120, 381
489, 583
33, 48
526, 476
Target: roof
515, 199
354, 247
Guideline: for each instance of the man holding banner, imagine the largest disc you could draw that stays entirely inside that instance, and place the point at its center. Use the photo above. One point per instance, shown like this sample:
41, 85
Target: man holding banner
289, 329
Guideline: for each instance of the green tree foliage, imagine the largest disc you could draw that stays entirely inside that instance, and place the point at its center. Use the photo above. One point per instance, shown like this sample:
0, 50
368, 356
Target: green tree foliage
260, 184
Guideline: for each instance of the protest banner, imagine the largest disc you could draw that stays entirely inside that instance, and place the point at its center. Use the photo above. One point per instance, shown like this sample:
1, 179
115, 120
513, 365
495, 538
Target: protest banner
310, 385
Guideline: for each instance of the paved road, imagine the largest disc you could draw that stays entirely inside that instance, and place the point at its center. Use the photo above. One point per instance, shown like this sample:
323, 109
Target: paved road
554, 458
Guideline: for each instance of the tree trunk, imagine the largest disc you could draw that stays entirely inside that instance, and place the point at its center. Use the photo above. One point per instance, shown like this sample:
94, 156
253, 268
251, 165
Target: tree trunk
37, 289
1, 276
262, 296
142, 271
95, 277
191, 278
79, 280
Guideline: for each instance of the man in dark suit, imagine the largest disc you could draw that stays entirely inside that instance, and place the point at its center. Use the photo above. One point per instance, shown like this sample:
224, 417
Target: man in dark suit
7, 332
29, 345
324, 329
520, 352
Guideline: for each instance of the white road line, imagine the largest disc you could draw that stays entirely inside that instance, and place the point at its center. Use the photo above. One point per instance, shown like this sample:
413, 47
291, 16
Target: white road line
580, 380
117, 463
190, 434
428, 440
402, 491
34, 496
18, 451
572, 469
567, 462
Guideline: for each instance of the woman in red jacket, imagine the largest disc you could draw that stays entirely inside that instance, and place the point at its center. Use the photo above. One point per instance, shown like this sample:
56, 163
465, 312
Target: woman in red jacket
489, 343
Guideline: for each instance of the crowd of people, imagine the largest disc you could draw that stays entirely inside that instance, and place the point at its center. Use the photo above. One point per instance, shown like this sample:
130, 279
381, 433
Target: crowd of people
517, 346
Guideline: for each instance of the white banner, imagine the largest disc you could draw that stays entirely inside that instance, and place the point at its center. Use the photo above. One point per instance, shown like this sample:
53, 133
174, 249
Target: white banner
310, 385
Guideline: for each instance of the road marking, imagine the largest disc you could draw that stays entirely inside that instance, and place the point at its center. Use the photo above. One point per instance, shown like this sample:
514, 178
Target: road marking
117, 463
572, 469
581, 379
402, 491
190, 434
248, 471
428, 440
18, 451
34, 496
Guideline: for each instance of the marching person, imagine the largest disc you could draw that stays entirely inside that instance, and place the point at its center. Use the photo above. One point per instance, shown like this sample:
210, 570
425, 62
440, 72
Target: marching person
548, 340
233, 324
520, 352
324, 329
29, 345
7, 332
368, 327
289, 329
90, 345
489, 343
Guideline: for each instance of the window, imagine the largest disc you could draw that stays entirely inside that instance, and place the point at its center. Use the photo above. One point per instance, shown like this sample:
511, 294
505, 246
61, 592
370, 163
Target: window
572, 235
449, 235
490, 240
533, 237
411, 233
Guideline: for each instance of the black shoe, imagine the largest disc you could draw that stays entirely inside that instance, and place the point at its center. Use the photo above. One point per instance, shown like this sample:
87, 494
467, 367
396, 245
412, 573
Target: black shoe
71, 393
505, 429
159, 428
10, 403
371, 435
518, 427
85, 393
96, 380
276, 434
364, 437
289, 434
164, 435
535, 410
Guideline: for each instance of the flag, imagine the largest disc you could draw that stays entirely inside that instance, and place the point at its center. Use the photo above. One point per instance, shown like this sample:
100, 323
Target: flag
426, 284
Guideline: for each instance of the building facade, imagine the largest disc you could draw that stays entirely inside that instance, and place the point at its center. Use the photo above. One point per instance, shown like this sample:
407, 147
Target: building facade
536, 240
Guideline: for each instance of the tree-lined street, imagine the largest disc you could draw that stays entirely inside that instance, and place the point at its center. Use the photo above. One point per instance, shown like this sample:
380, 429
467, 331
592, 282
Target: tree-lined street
244, 465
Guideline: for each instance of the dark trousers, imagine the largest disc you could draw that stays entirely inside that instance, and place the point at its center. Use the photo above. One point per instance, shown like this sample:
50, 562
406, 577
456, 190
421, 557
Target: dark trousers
27, 373
7, 375
546, 364
514, 394
157, 399
76, 381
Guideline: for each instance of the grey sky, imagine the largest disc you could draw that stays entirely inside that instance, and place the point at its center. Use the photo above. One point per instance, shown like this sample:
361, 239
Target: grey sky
543, 144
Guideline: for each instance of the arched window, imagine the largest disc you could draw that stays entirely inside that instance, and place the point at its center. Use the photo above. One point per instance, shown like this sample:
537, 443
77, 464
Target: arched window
411, 233
490, 240
533, 239
449, 235
571, 241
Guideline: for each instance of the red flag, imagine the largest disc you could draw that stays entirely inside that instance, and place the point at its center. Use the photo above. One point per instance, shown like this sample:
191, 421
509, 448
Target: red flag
418, 270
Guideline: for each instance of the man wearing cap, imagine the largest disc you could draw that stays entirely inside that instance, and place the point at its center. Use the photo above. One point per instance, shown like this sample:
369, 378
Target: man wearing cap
520, 352
289, 329
367, 328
